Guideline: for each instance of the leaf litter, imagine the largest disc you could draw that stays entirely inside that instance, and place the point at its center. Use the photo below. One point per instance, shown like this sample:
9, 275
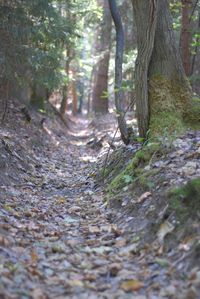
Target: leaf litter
56, 240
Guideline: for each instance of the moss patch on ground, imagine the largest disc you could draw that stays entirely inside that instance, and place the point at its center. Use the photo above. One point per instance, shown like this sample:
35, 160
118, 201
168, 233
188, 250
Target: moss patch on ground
185, 200
192, 116
135, 172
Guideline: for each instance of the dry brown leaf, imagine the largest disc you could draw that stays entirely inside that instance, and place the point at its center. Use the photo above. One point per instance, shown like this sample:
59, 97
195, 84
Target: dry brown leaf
74, 209
75, 283
132, 285
4, 241
121, 242
72, 242
116, 230
34, 257
115, 268
38, 294
165, 228
143, 197
94, 229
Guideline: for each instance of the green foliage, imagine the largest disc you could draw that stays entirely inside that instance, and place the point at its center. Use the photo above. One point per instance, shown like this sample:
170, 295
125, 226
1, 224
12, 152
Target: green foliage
175, 8
34, 35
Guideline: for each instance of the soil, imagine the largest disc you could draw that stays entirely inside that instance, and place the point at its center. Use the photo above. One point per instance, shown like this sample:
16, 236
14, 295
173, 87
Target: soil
63, 236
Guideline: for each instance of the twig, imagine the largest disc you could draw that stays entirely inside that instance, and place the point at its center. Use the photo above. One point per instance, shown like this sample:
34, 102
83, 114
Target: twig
112, 141
59, 114
193, 10
5, 103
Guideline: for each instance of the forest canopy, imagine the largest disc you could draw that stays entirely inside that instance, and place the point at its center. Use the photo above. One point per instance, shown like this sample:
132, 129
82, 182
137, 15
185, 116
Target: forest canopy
69, 46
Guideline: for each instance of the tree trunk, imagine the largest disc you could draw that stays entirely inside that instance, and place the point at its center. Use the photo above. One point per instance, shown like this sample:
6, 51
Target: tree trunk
74, 98
145, 13
118, 71
63, 105
168, 93
102, 49
195, 66
186, 35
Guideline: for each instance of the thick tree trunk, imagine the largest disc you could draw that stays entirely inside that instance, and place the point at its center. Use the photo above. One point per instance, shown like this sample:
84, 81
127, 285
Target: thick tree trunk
102, 49
169, 93
186, 35
145, 13
195, 65
118, 71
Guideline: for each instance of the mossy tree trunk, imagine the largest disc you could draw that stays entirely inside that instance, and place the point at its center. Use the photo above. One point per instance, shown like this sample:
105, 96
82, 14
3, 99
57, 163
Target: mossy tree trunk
168, 93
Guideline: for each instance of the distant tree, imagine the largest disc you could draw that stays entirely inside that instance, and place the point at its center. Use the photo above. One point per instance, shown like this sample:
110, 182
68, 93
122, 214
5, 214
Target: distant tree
33, 34
102, 53
186, 35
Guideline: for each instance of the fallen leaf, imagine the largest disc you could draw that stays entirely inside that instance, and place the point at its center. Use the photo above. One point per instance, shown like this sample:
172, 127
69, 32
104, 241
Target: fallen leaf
4, 241
75, 283
114, 268
130, 249
162, 262
116, 230
74, 209
98, 250
120, 242
94, 229
38, 294
132, 285
165, 228
34, 257
143, 197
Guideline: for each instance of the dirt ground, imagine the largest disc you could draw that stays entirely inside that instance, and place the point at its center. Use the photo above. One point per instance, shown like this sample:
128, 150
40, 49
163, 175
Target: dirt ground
61, 236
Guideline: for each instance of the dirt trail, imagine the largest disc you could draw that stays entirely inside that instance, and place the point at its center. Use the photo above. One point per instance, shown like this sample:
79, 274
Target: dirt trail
56, 239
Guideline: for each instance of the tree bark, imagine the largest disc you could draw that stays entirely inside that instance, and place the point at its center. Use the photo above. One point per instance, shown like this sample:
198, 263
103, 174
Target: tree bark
100, 72
195, 55
186, 35
118, 71
63, 105
168, 93
145, 12
74, 98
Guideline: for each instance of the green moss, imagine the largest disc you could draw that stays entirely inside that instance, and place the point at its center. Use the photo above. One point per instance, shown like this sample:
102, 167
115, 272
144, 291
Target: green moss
119, 181
134, 171
185, 200
192, 115
144, 155
172, 108
167, 124
145, 179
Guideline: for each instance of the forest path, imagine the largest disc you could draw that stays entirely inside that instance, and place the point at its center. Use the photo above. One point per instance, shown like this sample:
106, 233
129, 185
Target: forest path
56, 239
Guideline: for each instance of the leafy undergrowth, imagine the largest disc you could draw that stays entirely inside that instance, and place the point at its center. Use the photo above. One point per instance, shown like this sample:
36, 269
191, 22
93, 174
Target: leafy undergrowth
57, 237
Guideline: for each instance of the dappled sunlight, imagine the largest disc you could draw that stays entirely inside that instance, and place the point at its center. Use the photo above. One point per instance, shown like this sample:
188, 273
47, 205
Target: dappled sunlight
86, 159
51, 134
99, 149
